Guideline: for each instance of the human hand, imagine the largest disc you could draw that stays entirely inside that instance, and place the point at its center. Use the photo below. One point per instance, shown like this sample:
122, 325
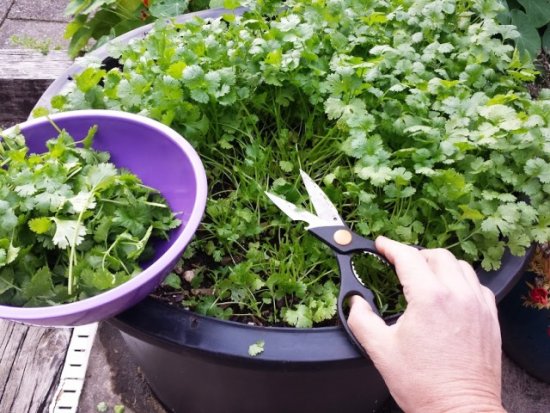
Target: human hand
444, 353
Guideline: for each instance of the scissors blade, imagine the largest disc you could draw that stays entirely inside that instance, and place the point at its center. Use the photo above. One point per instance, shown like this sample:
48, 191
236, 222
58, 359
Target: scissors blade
295, 213
323, 206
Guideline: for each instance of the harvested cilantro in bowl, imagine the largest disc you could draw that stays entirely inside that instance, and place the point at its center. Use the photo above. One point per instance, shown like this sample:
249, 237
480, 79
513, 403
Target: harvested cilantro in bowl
71, 224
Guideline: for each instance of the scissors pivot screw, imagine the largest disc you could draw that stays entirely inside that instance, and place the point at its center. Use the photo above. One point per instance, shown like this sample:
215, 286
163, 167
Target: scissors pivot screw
342, 237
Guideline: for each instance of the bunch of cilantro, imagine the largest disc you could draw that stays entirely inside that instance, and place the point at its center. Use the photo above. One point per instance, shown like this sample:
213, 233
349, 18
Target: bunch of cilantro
71, 224
412, 114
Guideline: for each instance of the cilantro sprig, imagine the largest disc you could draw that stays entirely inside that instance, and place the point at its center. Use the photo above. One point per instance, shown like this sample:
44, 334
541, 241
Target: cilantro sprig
412, 113
71, 224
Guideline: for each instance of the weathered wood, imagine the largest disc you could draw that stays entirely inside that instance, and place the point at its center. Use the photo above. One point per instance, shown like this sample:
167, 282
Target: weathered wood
31, 360
24, 76
31, 64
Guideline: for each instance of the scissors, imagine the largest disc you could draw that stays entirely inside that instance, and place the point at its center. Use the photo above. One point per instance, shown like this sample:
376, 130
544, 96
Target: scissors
329, 227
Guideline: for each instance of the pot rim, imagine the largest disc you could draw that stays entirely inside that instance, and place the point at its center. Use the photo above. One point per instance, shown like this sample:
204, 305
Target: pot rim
177, 328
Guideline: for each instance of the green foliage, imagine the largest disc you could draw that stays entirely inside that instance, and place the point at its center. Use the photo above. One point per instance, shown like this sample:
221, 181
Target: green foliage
71, 225
101, 20
532, 19
29, 42
413, 114
172, 280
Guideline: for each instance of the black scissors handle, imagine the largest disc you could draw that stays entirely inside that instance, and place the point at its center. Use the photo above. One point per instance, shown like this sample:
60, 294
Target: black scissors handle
349, 286
345, 243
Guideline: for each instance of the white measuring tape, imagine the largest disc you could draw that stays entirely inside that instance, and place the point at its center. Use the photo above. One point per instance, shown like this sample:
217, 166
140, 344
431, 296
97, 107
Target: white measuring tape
71, 382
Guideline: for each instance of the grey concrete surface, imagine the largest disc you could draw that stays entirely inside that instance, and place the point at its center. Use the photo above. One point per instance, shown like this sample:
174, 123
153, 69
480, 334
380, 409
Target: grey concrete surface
29, 34
45, 10
114, 378
36, 24
5, 5
522, 393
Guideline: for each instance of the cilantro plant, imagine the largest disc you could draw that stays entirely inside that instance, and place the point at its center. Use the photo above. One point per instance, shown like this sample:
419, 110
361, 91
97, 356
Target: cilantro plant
413, 115
71, 225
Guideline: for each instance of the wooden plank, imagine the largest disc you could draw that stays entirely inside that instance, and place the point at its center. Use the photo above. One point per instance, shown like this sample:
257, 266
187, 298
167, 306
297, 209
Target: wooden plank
31, 360
31, 64
24, 76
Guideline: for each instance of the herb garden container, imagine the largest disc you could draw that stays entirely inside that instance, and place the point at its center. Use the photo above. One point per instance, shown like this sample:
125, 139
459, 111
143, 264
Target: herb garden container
164, 161
526, 331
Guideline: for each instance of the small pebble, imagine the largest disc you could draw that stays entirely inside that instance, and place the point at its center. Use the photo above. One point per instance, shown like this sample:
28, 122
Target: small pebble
189, 275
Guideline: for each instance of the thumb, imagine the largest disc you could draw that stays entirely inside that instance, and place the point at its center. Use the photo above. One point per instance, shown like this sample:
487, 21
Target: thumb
367, 327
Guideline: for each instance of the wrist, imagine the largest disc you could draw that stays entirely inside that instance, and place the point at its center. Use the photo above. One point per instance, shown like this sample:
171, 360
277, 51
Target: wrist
477, 408
470, 404
466, 408
449, 401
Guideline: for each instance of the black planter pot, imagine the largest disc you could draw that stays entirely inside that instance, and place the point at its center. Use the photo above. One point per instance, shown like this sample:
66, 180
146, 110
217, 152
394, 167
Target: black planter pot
526, 332
197, 364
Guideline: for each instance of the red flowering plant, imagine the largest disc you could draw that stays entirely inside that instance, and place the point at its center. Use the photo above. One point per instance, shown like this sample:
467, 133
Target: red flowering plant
538, 295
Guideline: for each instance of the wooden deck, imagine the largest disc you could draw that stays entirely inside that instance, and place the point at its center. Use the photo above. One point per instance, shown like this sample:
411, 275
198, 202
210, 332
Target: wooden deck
31, 361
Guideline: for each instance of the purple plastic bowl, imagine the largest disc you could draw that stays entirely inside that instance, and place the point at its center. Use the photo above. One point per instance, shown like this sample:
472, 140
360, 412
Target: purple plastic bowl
164, 160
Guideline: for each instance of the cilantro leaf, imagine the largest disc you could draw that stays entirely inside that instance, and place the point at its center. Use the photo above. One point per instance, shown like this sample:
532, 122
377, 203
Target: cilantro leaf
68, 233
39, 285
8, 219
40, 225
172, 280
89, 139
100, 173
300, 317
257, 348
82, 201
7, 276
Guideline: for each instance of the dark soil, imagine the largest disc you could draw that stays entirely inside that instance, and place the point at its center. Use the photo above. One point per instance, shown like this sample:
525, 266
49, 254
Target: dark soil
543, 80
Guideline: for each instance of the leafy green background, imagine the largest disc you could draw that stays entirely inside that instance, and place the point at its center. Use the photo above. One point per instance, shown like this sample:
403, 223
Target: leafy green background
532, 18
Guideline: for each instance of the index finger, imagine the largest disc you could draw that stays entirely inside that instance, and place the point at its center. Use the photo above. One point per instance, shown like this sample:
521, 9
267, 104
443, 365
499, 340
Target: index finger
410, 265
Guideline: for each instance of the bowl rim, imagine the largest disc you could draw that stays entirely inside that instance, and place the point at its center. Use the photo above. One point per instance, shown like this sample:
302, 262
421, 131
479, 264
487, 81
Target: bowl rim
172, 253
